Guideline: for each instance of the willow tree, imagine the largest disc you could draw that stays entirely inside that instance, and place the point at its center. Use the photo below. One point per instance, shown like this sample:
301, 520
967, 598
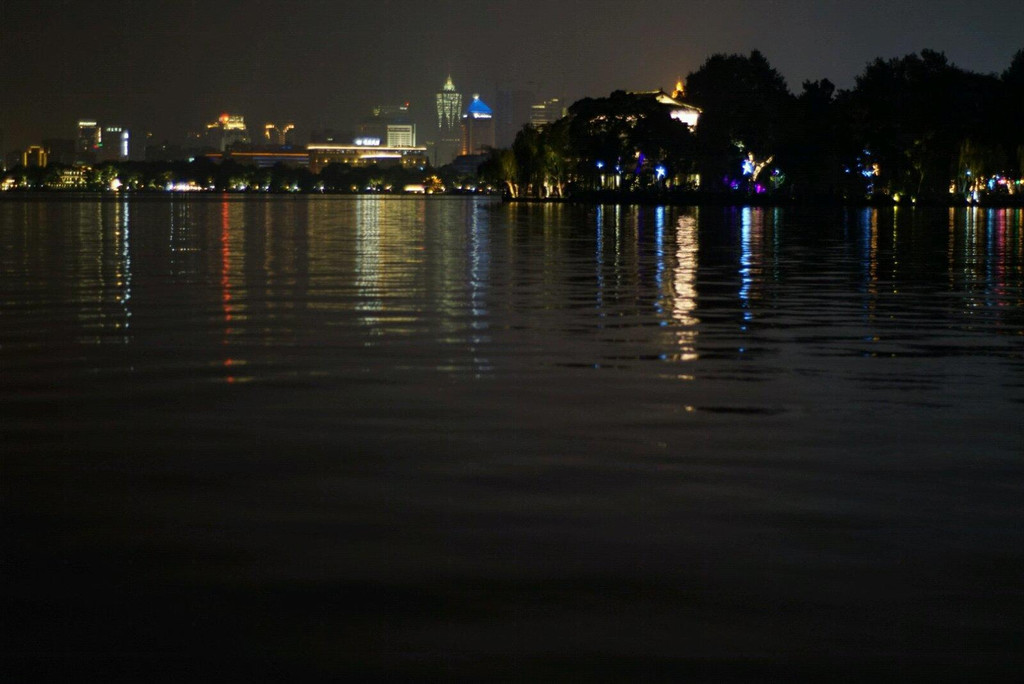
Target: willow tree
500, 168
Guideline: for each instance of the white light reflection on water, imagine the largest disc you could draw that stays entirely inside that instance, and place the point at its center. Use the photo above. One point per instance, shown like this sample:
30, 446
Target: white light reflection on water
369, 275
684, 304
599, 257
125, 276
751, 235
479, 283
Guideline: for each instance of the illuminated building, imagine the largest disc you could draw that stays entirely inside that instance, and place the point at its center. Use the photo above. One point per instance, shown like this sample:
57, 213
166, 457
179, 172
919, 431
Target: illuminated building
401, 135
392, 114
89, 135
548, 111
449, 109
322, 154
96, 143
281, 135
35, 155
477, 128
113, 145
226, 131
387, 125
88, 141
680, 111
68, 179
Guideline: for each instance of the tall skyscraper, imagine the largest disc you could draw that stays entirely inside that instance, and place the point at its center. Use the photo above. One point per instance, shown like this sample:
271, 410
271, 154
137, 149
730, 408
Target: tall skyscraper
90, 135
35, 155
226, 131
449, 137
113, 144
96, 143
511, 112
389, 125
280, 135
477, 128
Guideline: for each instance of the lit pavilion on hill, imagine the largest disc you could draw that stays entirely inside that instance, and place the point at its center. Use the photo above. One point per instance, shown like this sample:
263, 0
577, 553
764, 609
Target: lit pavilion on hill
680, 111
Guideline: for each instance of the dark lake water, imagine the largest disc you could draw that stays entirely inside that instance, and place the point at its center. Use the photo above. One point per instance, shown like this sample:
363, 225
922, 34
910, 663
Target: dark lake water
454, 439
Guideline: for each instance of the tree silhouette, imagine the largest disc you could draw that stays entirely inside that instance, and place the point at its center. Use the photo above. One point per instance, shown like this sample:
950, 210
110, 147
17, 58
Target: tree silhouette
747, 109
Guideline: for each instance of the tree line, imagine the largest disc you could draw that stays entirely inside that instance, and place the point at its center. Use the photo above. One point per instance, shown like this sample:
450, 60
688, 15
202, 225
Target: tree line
914, 127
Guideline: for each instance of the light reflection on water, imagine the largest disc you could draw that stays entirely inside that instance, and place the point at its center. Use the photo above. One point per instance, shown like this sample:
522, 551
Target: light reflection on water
480, 289
654, 416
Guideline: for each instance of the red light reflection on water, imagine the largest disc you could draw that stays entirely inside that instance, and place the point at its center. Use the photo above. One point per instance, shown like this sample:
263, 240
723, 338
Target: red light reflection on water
225, 280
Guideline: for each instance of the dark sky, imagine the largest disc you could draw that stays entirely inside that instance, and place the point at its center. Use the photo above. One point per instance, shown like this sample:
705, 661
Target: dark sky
170, 65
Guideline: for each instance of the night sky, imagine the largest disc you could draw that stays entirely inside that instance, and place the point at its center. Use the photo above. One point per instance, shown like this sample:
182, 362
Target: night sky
170, 65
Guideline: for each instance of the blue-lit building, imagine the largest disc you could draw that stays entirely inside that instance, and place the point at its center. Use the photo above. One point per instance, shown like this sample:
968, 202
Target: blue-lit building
477, 127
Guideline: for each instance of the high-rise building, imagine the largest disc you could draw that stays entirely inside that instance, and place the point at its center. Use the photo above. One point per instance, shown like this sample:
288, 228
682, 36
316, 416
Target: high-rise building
449, 109
281, 135
512, 111
228, 130
477, 128
388, 125
394, 113
114, 143
35, 155
88, 141
96, 143
548, 111
401, 135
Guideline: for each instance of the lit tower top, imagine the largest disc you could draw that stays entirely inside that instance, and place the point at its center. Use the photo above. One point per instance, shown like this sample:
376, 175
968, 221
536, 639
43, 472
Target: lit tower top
229, 122
227, 130
449, 107
478, 110
680, 90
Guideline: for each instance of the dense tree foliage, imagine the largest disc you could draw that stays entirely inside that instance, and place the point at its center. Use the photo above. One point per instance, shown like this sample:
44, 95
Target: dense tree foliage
747, 111
625, 141
915, 127
915, 114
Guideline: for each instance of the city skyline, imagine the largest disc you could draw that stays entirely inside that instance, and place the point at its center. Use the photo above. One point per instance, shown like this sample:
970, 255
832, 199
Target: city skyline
168, 66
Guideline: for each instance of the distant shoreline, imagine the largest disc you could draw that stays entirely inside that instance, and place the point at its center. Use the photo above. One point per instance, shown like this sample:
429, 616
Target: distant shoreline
726, 201
588, 199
